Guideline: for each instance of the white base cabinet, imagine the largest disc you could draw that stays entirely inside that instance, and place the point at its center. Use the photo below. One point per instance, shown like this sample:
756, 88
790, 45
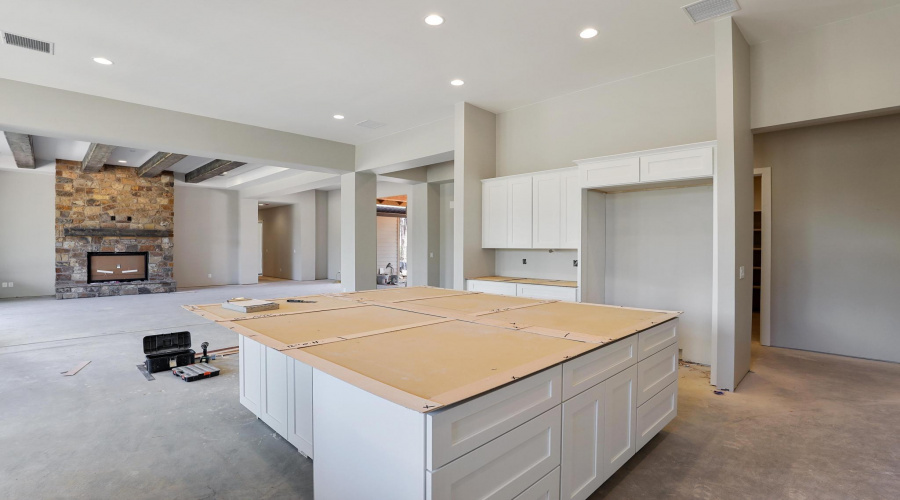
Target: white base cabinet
540, 292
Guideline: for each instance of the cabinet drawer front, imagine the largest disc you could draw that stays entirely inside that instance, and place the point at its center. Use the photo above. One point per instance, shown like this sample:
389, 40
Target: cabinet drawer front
657, 372
582, 469
610, 172
545, 489
595, 367
503, 468
657, 338
656, 413
455, 431
546, 292
499, 288
678, 165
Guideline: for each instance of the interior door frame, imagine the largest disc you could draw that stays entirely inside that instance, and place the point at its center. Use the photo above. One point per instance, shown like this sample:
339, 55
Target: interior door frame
765, 292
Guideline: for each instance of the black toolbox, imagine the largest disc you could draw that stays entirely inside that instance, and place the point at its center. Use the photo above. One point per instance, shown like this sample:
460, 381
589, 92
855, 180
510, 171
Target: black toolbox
167, 350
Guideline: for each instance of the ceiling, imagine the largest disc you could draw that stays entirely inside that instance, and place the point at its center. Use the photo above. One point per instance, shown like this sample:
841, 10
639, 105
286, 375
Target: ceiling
291, 65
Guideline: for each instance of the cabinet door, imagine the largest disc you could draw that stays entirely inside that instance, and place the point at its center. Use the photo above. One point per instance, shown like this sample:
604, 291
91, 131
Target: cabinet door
300, 423
620, 410
582, 469
250, 373
519, 212
546, 292
546, 210
613, 172
497, 287
495, 213
570, 222
274, 401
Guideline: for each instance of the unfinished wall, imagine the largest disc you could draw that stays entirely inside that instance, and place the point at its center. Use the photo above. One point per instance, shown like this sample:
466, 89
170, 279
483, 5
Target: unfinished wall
207, 236
841, 68
835, 237
334, 234
659, 247
668, 107
539, 264
26, 235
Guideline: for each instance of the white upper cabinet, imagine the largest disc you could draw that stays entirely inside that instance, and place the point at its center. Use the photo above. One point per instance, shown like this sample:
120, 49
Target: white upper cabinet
692, 161
547, 210
520, 212
570, 223
495, 213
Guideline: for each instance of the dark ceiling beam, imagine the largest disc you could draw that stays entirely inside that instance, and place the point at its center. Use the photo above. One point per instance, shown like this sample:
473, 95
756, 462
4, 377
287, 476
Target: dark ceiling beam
210, 170
96, 157
159, 163
22, 149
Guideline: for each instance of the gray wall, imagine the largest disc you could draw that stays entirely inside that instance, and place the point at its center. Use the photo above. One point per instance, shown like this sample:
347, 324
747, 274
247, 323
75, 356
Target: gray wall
27, 242
206, 236
539, 264
836, 237
334, 234
446, 256
659, 256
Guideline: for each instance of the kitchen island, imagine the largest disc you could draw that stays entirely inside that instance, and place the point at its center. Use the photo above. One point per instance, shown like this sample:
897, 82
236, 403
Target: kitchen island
425, 393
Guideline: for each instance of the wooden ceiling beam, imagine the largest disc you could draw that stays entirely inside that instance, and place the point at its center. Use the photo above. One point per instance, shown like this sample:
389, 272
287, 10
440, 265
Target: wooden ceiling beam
159, 163
22, 149
210, 170
96, 157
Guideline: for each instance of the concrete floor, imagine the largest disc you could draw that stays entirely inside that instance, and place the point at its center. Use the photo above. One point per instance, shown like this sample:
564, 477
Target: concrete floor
802, 425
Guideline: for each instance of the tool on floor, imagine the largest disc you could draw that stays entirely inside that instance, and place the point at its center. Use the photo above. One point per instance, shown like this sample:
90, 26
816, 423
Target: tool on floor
205, 357
167, 350
197, 371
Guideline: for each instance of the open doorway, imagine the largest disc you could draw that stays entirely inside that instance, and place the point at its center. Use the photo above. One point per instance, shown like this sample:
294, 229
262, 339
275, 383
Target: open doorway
762, 254
391, 241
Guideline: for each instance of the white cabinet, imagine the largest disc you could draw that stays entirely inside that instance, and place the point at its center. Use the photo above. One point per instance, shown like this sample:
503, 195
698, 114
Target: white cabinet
520, 215
656, 372
495, 214
250, 374
546, 292
545, 489
594, 367
615, 172
273, 408
687, 164
570, 222
547, 210
692, 161
496, 287
300, 411
619, 420
653, 415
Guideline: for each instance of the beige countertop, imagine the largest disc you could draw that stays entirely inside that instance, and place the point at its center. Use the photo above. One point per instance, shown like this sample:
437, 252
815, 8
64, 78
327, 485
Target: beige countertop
529, 281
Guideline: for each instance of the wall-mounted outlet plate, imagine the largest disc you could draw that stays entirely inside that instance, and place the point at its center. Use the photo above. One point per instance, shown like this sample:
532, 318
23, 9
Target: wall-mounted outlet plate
209, 275
575, 263
524, 261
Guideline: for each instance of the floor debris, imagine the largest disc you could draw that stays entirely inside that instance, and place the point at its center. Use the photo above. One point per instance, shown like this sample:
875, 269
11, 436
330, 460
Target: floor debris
77, 369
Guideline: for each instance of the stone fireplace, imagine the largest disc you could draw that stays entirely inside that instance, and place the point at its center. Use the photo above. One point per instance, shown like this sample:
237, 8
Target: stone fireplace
114, 232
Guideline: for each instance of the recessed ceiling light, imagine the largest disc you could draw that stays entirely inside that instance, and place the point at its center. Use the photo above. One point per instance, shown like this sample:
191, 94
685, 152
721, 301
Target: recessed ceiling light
102, 60
434, 20
338, 117
456, 83
123, 161
588, 33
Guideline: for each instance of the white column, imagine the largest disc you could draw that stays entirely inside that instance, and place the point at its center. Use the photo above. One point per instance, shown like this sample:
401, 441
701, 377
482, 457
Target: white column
424, 223
358, 231
733, 250
475, 158
248, 241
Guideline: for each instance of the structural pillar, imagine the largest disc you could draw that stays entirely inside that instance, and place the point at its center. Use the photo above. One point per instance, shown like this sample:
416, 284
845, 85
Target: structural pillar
358, 267
424, 223
248, 241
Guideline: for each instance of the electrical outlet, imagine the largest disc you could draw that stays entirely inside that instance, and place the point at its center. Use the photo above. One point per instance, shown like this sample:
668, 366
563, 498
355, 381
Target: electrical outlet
575, 263
11, 284
5, 284
209, 275
431, 255
741, 272
524, 261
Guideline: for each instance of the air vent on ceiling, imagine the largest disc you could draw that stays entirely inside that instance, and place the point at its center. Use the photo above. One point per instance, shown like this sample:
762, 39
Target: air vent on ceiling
371, 124
705, 10
28, 43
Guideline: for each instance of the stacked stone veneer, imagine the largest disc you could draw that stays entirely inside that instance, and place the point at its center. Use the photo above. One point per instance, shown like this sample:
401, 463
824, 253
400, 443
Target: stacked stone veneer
89, 201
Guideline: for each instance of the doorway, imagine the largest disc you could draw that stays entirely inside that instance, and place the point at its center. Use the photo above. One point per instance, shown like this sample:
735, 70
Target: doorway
762, 254
391, 241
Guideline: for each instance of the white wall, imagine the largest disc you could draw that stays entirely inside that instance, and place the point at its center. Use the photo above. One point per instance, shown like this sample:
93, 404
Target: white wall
539, 264
206, 236
668, 107
659, 256
321, 235
27, 225
334, 234
836, 237
447, 224
846, 67
414, 147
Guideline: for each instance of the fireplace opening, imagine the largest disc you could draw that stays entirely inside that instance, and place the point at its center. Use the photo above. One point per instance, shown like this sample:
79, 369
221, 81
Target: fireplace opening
117, 266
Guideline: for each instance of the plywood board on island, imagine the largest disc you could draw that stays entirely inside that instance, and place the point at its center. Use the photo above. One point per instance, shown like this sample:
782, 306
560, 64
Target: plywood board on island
401, 294
440, 364
216, 312
472, 303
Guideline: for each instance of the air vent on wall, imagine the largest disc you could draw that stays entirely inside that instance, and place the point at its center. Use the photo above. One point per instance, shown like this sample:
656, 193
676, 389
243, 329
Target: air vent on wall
705, 10
371, 124
28, 43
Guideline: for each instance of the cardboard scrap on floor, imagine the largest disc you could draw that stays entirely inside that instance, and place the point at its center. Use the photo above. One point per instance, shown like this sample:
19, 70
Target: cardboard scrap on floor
77, 369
